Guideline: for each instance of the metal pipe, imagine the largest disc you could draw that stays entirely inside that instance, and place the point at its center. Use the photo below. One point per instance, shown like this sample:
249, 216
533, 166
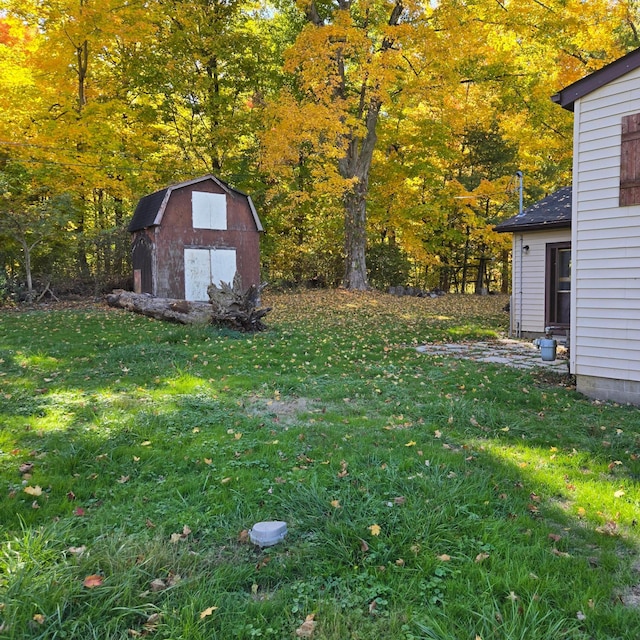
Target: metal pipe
520, 297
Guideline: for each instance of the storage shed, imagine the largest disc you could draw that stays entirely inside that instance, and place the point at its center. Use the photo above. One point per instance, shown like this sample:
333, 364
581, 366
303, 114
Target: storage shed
192, 234
541, 266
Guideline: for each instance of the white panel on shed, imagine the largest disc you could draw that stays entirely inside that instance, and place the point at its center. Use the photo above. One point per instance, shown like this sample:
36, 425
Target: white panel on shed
209, 210
223, 266
197, 274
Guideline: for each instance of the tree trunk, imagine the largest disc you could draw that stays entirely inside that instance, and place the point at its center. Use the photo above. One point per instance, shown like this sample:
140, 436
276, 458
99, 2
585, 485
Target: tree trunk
356, 166
179, 311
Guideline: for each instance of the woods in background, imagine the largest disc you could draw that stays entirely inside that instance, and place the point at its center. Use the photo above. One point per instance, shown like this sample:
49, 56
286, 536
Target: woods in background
378, 138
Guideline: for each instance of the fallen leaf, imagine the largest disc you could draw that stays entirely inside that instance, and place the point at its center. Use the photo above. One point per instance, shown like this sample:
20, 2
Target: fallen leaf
39, 618
33, 491
619, 493
560, 554
399, 500
158, 585
123, 479
146, 443
555, 537
71, 495
336, 504
77, 551
307, 628
26, 467
374, 529
243, 536
364, 547
92, 581
445, 557
207, 612
481, 557
226, 480
411, 443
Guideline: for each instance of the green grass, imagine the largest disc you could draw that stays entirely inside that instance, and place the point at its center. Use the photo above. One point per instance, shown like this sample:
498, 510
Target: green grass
426, 497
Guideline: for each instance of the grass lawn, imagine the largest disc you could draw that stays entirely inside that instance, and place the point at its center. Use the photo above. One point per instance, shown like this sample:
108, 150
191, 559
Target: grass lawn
426, 497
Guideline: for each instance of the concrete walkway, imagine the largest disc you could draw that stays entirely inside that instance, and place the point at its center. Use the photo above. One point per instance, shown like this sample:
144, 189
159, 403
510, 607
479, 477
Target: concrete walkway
513, 353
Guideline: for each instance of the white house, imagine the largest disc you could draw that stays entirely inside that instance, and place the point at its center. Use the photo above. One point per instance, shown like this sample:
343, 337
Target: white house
541, 266
605, 231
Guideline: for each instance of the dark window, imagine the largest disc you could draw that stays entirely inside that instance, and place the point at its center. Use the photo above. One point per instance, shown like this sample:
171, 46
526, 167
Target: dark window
558, 312
630, 161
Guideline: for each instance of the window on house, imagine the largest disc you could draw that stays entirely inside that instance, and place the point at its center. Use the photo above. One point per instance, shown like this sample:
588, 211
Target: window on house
209, 210
630, 161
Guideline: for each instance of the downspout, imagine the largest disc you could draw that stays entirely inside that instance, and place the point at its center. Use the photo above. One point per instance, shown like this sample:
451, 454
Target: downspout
520, 269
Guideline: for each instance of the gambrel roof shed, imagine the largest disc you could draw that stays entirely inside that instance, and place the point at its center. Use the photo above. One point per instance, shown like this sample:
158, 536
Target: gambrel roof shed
192, 234
151, 208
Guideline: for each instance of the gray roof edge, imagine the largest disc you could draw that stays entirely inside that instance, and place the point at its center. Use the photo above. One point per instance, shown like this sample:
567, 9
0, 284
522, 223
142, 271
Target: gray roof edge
566, 97
532, 226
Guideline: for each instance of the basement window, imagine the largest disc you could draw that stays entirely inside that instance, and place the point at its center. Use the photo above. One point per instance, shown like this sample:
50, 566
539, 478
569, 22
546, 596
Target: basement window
209, 210
630, 161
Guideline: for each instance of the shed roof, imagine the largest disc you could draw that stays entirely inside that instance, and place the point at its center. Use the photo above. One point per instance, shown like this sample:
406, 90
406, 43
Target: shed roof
566, 97
554, 211
151, 208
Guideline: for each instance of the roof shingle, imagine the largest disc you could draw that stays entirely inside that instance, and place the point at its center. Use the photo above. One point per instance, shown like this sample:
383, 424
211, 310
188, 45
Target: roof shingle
552, 211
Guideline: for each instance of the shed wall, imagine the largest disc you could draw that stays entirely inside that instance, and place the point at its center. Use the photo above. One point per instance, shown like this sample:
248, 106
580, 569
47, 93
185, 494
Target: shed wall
605, 325
176, 233
529, 279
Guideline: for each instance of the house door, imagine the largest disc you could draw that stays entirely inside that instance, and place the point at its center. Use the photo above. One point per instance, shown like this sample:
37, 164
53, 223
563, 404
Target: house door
205, 266
558, 284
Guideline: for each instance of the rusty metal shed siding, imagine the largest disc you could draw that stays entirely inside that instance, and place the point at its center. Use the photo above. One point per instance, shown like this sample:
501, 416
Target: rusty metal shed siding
176, 233
162, 228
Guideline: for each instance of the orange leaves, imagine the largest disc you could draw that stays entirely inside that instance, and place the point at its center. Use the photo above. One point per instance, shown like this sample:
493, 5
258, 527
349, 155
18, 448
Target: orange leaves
93, 581
308, 627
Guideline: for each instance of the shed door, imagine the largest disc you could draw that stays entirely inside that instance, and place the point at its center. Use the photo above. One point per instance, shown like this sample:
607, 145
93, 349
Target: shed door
204, 266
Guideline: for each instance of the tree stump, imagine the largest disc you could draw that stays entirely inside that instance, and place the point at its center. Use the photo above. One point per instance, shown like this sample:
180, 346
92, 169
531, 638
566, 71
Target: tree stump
234, 307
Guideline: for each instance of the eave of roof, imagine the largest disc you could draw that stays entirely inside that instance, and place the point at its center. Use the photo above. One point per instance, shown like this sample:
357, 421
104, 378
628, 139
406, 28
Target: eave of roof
150, 209
567, 97
552, 212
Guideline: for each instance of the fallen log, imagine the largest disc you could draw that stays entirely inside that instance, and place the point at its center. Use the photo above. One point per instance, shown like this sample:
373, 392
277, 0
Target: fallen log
229, 306
169, 309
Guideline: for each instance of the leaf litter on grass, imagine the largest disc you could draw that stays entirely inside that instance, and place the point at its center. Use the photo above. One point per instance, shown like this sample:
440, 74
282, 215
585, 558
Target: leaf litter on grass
329, 455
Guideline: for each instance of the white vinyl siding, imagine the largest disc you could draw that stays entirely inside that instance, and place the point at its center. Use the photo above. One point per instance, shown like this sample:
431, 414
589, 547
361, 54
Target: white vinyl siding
605, 322
529, 279
209, 210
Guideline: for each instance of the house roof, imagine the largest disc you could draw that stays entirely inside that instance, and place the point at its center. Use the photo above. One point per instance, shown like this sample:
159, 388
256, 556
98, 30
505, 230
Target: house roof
151, 208
554, 211
566, 97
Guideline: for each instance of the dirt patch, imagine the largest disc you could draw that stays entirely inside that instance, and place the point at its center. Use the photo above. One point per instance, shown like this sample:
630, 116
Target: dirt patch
285, 411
